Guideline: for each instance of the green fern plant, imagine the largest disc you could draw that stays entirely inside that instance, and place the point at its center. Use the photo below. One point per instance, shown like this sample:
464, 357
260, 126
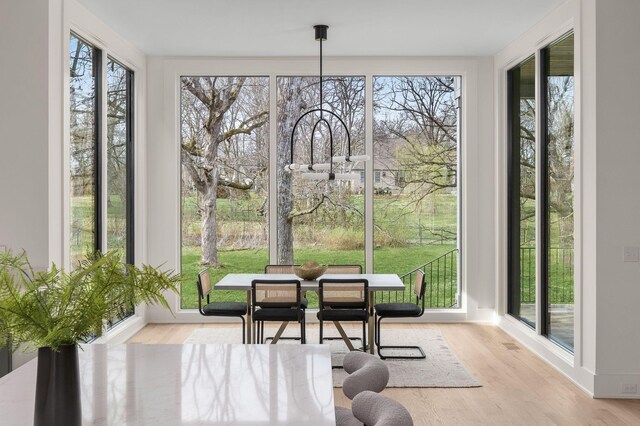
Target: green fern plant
56, 308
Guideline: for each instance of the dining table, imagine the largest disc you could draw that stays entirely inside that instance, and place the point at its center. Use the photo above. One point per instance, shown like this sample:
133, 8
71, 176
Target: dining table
376, 282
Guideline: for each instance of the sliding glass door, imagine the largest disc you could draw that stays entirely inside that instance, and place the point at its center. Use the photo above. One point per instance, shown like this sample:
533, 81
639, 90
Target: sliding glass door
541, 192
522, 191
557, 189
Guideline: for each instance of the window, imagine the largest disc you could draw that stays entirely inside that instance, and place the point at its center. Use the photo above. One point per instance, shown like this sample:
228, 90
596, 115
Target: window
224, 137
321, 221
100, 207
522, 190
416, 154
553, 176
557, 190
84, 119
119, 225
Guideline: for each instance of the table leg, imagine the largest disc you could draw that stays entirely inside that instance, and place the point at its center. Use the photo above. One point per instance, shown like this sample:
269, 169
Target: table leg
249, 319
346, 339
279, 332
371, 321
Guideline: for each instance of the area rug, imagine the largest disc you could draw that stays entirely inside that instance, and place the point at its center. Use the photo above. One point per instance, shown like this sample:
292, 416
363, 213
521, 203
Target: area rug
440, 369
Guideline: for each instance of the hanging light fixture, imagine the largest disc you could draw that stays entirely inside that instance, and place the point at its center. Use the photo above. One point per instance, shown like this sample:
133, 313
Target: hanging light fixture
326, 169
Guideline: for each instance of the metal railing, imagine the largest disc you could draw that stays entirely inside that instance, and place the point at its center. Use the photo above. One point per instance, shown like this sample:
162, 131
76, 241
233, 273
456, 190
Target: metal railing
561, 273
441, 279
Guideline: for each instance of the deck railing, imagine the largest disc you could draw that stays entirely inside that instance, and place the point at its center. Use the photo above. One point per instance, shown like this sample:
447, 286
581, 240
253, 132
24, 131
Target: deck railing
561, 273
441, 278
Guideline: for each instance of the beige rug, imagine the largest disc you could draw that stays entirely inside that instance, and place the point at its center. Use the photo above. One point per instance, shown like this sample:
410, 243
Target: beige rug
440, 369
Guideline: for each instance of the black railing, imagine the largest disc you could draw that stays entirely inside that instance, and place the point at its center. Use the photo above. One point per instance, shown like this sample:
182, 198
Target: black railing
441, 278
561, 273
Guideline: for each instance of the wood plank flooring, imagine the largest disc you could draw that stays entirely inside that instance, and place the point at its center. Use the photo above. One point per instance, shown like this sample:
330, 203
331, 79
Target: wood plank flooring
518, 387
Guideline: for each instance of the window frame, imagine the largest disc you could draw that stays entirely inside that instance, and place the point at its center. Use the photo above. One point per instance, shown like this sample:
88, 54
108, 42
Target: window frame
466, 68
84, 25
543, 218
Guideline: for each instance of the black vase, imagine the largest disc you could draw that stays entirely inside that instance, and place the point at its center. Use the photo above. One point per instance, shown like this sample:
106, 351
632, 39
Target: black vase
58, 387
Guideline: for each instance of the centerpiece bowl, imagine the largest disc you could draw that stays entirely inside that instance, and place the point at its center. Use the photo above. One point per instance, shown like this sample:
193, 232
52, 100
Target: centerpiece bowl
309, 271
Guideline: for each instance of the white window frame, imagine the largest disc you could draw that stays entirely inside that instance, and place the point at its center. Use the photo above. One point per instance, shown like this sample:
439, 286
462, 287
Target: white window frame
164, 130
77, 20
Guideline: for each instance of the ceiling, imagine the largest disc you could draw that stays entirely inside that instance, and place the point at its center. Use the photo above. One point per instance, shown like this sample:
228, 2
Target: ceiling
356, 27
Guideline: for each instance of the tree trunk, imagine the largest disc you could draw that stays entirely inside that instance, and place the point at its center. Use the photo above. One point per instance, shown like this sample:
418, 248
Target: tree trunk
209, 222
291, 107
285, 222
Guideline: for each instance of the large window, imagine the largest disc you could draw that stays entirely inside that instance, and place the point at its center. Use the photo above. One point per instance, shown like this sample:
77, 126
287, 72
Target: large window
553, 177
415, 187
224, 137
101, 172
320, 221
558, 90
522, 191
84, 119
119, 207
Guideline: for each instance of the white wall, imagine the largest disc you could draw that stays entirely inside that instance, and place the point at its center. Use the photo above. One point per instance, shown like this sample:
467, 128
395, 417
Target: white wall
29, 129
607, 198
618, 194
478, 281
34, 137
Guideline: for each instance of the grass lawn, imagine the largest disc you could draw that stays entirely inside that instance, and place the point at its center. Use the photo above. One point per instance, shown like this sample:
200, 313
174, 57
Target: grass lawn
386, 260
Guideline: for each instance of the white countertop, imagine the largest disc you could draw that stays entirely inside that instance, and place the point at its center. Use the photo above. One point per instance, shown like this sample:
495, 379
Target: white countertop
190, 384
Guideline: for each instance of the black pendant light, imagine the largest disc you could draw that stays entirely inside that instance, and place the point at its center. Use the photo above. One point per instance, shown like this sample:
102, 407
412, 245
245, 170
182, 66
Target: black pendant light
321, 113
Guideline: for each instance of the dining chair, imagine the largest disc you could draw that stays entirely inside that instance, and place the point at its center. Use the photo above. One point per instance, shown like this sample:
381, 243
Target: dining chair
218, 309
279, 269
401, 310
284, 269
276, 301
344, 269
344, 300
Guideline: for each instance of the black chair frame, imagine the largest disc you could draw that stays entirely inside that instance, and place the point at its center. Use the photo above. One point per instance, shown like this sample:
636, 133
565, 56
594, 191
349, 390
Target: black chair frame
378, 319
201, 296
360, 271
259, 328
261, 331
365, 307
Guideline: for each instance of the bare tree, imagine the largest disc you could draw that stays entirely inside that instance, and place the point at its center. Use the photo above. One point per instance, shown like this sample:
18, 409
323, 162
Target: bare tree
299, 199
223, 122
420, 131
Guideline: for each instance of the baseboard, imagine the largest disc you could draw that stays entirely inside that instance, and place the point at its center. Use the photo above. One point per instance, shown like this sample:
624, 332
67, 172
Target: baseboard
122, 332
20, 357
611, 386
191, 316
553, 355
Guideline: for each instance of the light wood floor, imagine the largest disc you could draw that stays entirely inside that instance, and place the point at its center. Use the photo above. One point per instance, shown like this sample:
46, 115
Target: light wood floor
518, 388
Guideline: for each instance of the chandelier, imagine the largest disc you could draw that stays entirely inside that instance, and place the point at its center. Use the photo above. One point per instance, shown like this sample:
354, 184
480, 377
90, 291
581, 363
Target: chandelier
323, 171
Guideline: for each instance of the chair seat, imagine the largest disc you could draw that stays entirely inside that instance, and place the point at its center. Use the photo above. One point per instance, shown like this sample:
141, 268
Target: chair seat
276, 314
274, 303
344, 315
398, 310
225, 309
